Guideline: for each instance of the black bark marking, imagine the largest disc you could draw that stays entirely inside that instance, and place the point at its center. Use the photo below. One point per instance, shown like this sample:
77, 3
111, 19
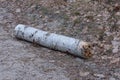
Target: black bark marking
69, 49
36, 32
22, 33
33, 34
46, 35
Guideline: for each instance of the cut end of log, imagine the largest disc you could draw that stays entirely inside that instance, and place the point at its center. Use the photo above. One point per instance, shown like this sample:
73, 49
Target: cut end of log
86, 49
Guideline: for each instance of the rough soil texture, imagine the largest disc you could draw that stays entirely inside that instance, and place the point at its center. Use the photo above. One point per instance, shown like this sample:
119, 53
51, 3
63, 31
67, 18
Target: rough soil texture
95, 21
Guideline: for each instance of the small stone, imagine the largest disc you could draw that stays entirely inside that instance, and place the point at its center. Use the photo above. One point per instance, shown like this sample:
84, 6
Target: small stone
99, 15
115, 60
106, 57
51, 61
57, 12
118, 22
118, 14
117, 74
99, 75
112, 78
40, 16
33, 6
107, 47
116, 39
84, 73
115, 45
108, 33
115, 50
18, 10
71, 1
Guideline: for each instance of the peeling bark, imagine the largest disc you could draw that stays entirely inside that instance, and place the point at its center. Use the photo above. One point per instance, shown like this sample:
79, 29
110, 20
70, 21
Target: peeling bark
54, 41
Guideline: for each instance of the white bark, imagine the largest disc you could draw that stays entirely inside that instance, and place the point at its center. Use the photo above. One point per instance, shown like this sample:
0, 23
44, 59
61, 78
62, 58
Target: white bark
54, 41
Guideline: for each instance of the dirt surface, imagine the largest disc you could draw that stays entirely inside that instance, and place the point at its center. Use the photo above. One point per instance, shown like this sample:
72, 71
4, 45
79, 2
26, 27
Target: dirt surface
95, 21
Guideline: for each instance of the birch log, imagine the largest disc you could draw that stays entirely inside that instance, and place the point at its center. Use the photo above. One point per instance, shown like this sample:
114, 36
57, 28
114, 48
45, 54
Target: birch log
54, 41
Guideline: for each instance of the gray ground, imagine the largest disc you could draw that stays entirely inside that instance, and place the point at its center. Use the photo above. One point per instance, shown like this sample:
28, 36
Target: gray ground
95, 21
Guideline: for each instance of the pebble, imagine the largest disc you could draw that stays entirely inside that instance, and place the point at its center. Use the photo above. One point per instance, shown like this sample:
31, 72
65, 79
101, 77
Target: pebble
115, 50
118, 14
83, 74
117, 74
18, 10
51, 61
106, 57
108, 33
116, 45
118, 22
57, 12
71, 0
107, 47
112, 78
99, 75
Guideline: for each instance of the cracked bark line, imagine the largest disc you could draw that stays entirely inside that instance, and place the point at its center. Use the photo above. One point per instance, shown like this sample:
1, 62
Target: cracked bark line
54, 41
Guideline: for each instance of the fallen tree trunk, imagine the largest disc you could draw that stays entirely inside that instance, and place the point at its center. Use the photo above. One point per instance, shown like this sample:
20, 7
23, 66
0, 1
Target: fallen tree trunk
54, 41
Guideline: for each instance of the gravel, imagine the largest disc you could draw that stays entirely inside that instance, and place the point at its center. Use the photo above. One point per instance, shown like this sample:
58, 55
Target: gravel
95, 21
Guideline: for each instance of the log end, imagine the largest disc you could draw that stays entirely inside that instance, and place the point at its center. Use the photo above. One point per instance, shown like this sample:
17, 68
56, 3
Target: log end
86, 49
